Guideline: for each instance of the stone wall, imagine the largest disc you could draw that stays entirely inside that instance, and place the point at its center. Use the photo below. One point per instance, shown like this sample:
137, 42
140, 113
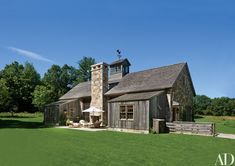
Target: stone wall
99, 86
183, 93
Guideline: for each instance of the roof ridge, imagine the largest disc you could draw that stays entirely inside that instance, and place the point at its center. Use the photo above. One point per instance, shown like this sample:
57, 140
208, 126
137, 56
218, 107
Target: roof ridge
157, 68
119, 61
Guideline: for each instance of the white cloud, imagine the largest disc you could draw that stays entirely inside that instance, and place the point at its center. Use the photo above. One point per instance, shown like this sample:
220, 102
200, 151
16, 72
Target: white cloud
29, 54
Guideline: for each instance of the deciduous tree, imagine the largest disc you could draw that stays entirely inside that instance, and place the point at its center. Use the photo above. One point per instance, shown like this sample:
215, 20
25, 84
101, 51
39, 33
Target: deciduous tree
4, 95
55, 83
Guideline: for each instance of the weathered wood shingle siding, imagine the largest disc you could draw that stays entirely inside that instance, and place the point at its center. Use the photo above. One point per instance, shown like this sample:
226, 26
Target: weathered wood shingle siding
140, 115
183, 93
72, 108
159, 108
51, 115
144, 111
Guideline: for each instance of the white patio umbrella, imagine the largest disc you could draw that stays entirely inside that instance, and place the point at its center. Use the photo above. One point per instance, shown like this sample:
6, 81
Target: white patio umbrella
93, 111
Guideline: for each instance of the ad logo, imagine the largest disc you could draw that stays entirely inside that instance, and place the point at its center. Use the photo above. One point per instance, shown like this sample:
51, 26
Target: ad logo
225, 159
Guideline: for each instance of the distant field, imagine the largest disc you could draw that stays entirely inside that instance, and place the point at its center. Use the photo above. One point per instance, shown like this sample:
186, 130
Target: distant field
224, 124
21, 120
24, 142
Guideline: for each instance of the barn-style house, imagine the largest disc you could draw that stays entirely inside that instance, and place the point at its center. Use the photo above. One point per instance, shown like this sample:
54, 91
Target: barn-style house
130, 101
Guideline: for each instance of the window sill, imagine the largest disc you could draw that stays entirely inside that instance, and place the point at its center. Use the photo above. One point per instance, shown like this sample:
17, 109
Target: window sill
127, 119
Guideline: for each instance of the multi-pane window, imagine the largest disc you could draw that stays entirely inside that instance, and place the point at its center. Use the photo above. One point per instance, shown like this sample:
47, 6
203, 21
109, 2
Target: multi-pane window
130, 112
115, 69
123, 112
126, 112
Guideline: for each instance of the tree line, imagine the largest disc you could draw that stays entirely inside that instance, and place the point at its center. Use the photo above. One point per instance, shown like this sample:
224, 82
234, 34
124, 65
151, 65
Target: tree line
23, 90
223, 106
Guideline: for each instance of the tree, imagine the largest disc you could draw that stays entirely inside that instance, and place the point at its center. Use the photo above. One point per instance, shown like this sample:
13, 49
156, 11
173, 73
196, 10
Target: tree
216, 106
19, 81
221, 106
52, 79
84, 70
30, 79
55, 83
232, 105
4, 95
69, 75
201, 103
12, 75
43, 95
59, 80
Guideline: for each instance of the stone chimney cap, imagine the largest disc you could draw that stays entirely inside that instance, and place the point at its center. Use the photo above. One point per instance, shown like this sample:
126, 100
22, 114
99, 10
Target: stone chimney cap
101, 63
99, 66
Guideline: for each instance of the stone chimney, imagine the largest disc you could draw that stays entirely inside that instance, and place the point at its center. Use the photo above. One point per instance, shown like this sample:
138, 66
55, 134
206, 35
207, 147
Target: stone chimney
99, 86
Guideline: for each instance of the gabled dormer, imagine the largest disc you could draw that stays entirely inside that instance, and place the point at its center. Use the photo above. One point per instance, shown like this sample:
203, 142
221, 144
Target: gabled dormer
118, 69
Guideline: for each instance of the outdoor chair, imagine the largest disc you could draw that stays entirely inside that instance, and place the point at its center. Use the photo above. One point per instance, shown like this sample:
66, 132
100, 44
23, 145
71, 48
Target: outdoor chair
69, 123
76, 125
83, 123
97, 124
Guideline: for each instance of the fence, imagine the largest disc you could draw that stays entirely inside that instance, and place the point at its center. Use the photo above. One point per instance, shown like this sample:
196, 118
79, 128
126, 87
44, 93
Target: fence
192, 128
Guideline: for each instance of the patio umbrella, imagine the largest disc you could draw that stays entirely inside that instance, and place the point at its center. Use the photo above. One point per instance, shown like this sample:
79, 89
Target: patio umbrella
93, 110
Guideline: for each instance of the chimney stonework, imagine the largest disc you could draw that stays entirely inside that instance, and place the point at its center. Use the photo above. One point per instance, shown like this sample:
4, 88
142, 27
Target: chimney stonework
99, 86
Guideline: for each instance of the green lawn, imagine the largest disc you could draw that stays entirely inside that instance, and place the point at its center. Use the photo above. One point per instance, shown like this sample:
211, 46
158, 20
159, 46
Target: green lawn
224, 124
24, 141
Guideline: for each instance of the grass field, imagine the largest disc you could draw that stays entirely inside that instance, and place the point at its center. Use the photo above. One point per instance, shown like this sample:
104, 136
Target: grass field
24, 141
224, 124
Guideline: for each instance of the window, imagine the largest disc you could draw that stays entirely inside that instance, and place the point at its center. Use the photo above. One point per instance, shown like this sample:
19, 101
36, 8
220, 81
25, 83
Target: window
115, 69
129, 112
126, 69
126, 112
122, 112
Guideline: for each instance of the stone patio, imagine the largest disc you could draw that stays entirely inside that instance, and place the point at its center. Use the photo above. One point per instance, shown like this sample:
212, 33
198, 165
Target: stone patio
82, 128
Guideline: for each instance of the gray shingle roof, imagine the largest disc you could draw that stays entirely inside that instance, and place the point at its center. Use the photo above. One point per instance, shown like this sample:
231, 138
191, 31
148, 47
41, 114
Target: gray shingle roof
114, 81
136, 96
60, 102
152, 79
55, 103
120, 61
81, 90
147, 80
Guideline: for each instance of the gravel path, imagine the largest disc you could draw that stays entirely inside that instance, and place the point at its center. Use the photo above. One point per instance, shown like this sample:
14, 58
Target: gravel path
229, 136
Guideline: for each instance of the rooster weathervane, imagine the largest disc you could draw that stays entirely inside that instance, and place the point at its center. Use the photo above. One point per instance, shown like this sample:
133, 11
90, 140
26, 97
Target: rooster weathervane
119, 54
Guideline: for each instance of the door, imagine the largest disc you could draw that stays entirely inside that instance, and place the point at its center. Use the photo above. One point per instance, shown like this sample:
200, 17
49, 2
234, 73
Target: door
175, 114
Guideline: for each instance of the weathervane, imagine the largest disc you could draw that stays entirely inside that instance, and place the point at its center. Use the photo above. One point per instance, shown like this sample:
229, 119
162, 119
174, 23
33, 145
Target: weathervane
119, 54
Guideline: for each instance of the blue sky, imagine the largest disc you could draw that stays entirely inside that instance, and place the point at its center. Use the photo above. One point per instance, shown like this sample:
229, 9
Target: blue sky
150, 33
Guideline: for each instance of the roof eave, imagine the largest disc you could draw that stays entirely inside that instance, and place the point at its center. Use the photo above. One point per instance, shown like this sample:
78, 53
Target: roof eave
140, 99
137, 91
74, 98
